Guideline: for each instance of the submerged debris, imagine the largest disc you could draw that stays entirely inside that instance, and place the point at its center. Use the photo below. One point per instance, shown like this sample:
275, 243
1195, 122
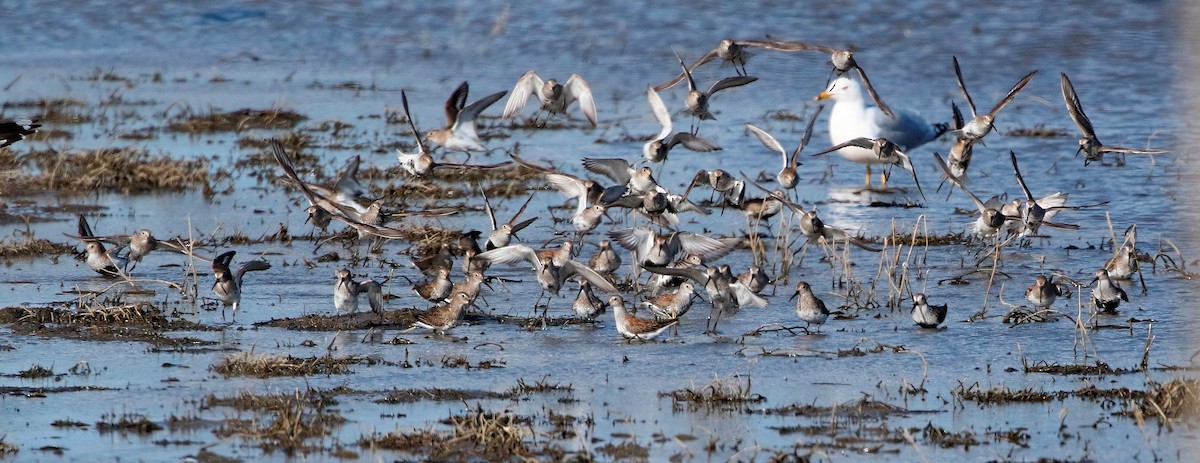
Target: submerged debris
126, 423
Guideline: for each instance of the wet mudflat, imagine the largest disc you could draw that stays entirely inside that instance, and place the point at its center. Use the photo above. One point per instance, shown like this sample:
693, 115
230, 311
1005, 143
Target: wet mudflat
168, 131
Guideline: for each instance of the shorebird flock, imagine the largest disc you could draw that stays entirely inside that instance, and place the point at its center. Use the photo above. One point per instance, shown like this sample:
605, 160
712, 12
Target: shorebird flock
631, 220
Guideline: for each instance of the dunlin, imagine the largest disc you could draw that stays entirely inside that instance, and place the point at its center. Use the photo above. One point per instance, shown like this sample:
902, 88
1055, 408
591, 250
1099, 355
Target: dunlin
606, 260
459, 133
554, 97
421, 163
851, 118
657, 148
637, 180
650, 248
754, 278
1124, 264
589, 196
809, 307
696, 102
1037, 212
1042, 292
550, 274
990, 218
1106, 295
730, 51
471, 285
101, 260
927, 316
787, 177
504, 233
346, 292
981, 124
1090, 145
633, 327
843, 62
436, 288
435, 261
674, 304
138, 244
659, 282
228, 284
724, 292
367, 221
442, 317
586, 304
884, 151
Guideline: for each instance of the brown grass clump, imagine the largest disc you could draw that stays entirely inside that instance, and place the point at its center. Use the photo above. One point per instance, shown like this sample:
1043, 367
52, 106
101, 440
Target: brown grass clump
265, 366
478, 435
237, 121
31, 248
1175, 400
717, 394
128, 170
290, 423
108, 320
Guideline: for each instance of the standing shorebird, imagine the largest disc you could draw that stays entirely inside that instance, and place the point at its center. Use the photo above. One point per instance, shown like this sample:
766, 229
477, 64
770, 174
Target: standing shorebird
606, 260
724, 291
1106, 295
633, 327
1042, 292
437, 288
553, 96
441, 318
1124, 264
459, 133
346, 292
926, 315
228, 284
673, 305
586, 304
755, 279
809, 307
1089, 145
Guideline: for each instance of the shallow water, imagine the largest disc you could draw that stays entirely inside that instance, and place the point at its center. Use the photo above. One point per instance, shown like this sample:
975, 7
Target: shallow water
262, 54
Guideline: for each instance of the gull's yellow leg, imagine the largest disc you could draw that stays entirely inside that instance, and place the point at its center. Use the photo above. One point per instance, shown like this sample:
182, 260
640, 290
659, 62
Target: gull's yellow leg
883, 178
868, 177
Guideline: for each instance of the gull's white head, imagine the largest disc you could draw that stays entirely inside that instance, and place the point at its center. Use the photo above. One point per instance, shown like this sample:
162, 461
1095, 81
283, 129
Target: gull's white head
841, 88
